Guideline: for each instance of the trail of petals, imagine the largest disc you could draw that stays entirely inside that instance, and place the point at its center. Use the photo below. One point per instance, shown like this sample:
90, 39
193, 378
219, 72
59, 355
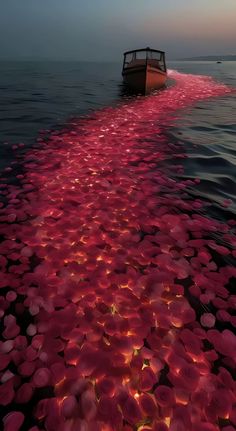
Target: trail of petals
107, 259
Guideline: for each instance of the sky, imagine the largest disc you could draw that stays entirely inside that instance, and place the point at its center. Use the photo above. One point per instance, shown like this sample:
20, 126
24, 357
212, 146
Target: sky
102, 29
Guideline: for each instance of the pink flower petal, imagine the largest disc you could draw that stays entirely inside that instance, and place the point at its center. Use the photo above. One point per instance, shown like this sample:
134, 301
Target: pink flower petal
24, 393
41, 377
6, 393
69, 406
164, 396
13, 421
208, 320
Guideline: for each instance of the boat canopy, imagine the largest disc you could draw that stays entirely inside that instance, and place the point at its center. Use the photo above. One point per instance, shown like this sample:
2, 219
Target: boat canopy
146, 54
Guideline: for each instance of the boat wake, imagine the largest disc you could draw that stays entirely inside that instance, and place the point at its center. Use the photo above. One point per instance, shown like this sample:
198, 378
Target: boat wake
116, 312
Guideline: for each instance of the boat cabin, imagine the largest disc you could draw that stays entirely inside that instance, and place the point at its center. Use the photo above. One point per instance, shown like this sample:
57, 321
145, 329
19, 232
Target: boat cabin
141, 57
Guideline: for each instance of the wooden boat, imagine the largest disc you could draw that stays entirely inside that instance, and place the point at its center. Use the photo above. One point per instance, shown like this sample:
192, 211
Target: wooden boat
144, 69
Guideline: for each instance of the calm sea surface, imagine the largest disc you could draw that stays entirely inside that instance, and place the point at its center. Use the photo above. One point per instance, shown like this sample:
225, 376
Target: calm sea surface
37, 96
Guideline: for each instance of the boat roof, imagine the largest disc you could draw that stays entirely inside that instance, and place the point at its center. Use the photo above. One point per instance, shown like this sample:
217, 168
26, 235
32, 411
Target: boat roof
144, 49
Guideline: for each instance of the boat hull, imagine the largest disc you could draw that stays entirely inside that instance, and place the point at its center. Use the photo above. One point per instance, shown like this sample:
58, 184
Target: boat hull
145, 78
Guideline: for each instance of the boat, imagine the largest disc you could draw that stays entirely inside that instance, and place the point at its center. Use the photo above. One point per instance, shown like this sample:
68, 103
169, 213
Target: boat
218, 62
144, 70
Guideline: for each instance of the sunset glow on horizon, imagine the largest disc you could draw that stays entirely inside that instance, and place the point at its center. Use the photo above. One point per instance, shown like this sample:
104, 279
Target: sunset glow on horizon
103, 30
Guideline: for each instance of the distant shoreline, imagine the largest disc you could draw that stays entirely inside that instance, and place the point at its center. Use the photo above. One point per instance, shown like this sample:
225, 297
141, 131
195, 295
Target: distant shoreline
214, 58
210, 58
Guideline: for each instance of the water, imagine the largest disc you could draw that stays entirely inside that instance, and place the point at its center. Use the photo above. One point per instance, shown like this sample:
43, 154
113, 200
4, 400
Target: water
37, 96
117, 251
45, 95
208, 134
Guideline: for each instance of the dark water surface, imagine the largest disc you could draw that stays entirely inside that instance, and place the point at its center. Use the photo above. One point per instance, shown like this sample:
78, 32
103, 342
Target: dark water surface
209, 135
43, 95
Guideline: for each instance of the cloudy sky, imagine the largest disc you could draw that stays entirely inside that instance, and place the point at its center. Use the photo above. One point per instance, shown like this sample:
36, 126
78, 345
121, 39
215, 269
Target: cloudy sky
103, 29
